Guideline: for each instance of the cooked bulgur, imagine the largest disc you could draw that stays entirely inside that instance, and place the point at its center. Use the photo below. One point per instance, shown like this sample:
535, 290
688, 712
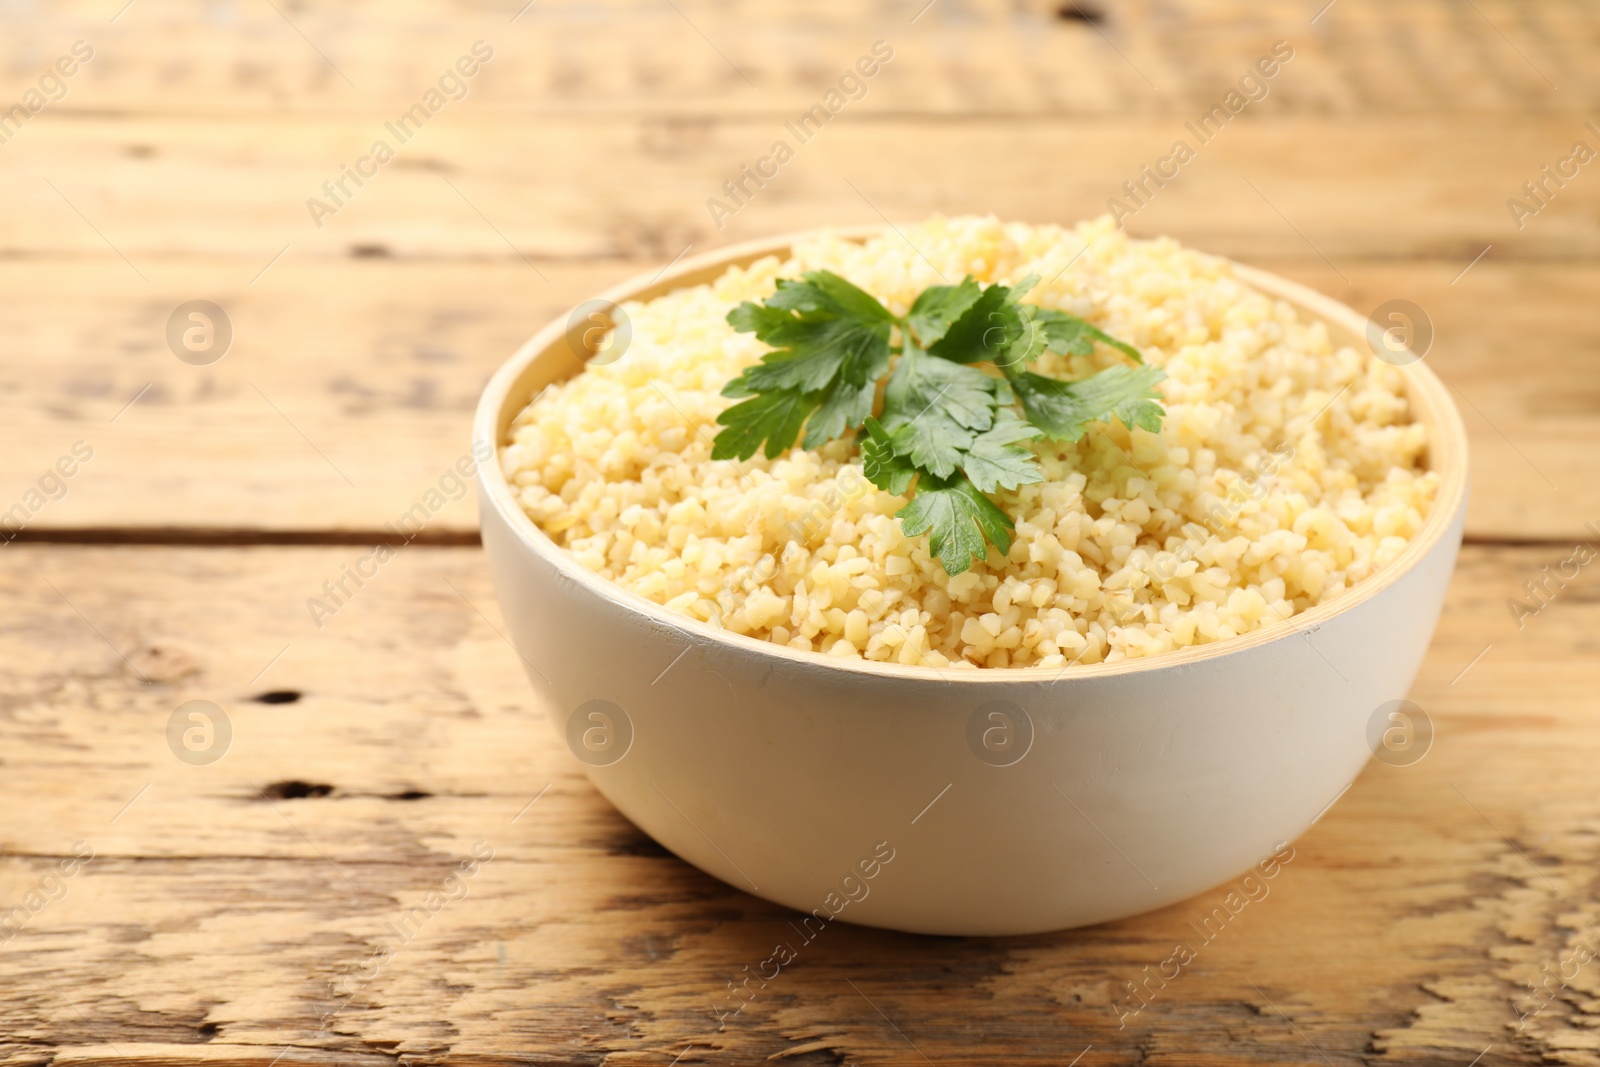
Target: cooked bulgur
1286, 470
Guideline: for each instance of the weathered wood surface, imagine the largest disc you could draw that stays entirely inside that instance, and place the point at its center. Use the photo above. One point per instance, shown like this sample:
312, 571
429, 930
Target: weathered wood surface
590, 187
957, 56
222, 902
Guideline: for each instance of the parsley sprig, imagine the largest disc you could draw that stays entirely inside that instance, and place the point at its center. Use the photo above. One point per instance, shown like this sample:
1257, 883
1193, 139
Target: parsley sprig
960, 406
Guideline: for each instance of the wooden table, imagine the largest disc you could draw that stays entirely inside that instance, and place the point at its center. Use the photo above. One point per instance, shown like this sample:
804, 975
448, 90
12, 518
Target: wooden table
177, 911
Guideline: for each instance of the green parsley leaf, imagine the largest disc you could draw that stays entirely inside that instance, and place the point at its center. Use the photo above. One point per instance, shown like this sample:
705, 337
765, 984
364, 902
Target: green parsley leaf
932, 408
830, 345
843, 407
997, 328
774, 417
933, 442
1064, 410
993, 461
1068, 334
823, 290
883, 467
958, 518
921, 384
938, 307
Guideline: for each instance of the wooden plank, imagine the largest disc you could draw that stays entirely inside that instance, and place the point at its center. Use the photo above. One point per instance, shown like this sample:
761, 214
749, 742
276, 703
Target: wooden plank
210, 922
476, 185
977, 56
368, 369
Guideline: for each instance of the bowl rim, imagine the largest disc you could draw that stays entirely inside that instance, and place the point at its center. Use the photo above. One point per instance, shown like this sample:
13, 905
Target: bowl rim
501, 400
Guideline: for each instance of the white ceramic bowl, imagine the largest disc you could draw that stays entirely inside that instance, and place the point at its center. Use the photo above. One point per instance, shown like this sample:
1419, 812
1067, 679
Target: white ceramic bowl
795, 777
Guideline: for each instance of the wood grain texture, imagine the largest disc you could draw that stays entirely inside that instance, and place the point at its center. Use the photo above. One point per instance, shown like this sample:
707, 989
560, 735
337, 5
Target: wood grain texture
955, 57
223, 902
473, 185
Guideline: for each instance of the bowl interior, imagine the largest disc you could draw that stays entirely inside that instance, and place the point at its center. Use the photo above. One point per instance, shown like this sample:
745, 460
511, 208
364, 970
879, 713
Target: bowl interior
558, 352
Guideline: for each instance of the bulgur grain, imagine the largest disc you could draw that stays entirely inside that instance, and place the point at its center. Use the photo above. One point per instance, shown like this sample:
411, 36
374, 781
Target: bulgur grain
1286, 469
